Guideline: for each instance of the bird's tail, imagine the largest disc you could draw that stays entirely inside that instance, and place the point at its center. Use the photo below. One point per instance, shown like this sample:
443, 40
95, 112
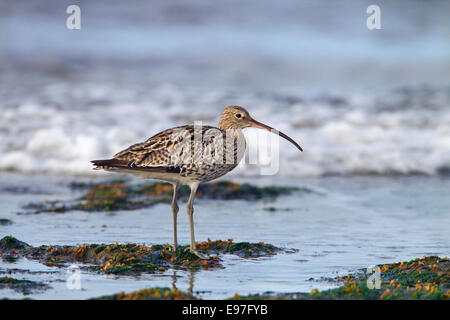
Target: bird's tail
109, 164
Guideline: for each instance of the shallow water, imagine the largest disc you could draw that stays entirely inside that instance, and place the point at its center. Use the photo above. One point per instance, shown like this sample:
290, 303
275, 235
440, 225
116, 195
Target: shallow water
346, 223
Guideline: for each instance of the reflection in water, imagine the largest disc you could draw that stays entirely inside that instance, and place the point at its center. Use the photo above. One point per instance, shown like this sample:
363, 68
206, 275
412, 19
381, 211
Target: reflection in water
191, 274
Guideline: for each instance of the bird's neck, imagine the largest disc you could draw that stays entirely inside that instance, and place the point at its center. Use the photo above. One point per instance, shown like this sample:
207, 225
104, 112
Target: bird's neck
233, 132
225, 124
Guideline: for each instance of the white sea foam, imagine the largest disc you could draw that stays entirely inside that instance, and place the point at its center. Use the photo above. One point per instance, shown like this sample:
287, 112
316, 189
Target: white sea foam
70, 99
391, 131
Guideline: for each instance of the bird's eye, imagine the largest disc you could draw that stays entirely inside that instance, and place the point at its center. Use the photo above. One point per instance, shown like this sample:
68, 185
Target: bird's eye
238, 115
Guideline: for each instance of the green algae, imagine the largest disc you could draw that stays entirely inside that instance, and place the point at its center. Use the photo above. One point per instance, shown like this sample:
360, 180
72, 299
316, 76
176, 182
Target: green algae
9, 242
156, 293
132, 258
426, 278
5, 222
23, 286
247, 250
123, 195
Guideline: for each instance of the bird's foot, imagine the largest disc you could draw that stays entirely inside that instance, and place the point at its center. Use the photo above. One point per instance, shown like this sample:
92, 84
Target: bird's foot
198, 254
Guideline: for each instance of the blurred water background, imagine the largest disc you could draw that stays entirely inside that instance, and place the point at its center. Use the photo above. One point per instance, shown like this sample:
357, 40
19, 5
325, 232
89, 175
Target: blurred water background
359, 101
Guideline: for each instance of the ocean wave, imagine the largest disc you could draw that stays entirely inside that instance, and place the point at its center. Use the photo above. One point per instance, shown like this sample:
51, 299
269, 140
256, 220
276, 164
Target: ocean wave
64, 126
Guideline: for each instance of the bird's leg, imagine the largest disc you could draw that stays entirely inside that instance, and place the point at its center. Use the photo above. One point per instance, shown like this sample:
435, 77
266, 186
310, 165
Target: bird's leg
175, 209
190, 211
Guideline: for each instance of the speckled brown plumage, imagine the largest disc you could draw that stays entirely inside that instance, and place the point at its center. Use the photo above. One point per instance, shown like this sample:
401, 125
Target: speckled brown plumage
176, 151
189, 155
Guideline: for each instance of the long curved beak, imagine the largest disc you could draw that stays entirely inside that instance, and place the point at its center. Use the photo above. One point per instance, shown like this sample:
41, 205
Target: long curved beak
260, 125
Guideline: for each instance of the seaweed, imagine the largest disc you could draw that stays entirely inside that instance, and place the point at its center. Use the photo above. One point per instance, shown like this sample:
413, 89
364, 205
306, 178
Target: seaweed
9, 242
122, 195
23, 286
5, 222
426, 278
150, 294
132, 258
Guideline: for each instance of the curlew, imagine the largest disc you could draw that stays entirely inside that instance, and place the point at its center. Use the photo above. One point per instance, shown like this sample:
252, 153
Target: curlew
189, 155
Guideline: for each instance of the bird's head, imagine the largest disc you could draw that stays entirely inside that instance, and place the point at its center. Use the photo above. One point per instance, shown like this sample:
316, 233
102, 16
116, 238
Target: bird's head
236, 117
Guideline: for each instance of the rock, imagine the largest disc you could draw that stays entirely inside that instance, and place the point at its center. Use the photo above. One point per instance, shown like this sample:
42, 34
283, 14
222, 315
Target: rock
24, 286
9, 243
